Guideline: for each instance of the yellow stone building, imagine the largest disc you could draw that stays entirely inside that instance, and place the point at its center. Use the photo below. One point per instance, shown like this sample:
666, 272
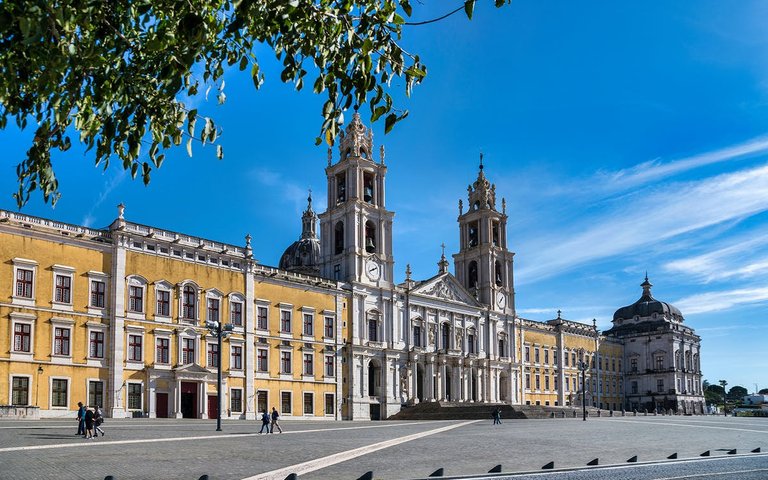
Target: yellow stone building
118, 318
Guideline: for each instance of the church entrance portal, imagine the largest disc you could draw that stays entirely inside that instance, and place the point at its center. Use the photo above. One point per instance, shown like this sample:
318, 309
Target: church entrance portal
188, 400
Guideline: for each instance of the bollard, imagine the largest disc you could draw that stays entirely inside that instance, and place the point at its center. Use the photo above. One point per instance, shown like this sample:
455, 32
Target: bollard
757, 450
610, 413
632, 460
548, 466
705, 454
574, 414
592, 462
496, 469
673, 456
437, 473
599, 413
367, 475
732, 452
291, 476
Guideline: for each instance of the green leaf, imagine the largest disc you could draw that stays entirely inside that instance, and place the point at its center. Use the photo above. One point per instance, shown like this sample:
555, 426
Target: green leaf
469, 7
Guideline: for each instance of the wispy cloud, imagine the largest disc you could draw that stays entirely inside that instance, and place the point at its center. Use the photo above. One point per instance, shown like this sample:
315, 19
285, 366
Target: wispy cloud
655, 169
289, 191
721, 300
115, 178
659, 215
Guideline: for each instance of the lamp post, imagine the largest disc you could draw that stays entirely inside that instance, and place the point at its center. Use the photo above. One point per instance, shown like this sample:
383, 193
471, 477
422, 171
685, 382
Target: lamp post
221, 331
583, 366
37, 389
723, 383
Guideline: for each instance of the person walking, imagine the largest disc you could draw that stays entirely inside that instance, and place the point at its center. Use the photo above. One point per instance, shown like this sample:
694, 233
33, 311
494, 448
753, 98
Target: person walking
265, 420
275, 416
89, 424
98, 419
497, 416
80, 419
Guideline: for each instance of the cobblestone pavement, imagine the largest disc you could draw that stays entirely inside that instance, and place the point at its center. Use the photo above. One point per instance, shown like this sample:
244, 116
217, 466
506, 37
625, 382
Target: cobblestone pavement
188, 449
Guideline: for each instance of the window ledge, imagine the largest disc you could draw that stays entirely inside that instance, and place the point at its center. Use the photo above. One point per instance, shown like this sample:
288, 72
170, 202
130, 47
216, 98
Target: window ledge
23, 301
134, 365
65, 307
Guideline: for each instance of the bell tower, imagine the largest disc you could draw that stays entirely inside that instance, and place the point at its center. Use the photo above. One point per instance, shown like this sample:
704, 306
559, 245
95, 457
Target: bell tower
356, 229
484, 265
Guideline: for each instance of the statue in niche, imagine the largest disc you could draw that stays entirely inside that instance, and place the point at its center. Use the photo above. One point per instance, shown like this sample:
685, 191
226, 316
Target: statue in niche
404, 382
432, 333
459, 334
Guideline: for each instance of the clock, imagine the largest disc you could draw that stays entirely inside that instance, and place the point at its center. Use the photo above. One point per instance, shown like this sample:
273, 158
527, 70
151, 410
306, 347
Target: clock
372, 269
501, 300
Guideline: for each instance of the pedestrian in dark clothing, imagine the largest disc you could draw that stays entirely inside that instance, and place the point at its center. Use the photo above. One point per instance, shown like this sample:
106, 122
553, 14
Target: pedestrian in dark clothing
265, 420
80, 419
89, 424
497, 416
275, 416
98, 419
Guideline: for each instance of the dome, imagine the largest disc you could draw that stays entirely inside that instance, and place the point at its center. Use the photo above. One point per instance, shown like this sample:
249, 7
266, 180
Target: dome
646, 306
303, 255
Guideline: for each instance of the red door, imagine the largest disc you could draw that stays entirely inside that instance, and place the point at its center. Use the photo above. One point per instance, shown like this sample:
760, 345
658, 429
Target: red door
213, 406
161, 405
189, 399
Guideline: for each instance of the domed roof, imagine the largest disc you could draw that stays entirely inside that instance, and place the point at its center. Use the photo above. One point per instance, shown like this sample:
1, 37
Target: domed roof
646, 306
303, 255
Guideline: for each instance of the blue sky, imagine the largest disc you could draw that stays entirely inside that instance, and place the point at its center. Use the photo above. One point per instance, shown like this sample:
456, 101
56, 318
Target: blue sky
626, 137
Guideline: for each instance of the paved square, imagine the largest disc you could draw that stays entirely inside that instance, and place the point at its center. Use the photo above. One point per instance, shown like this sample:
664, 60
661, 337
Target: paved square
187, 449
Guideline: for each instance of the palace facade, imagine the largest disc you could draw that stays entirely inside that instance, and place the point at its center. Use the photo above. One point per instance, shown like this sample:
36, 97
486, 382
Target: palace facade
119, 317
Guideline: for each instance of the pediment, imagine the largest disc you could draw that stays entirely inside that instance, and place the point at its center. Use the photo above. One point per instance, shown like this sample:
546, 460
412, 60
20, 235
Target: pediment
193, 371
446, 287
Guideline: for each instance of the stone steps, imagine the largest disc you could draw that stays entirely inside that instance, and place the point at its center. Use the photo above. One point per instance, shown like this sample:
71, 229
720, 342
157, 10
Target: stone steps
483, 411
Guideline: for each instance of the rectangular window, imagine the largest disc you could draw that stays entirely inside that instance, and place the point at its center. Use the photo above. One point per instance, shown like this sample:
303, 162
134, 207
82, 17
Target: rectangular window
261, 360
24, 283
189, 303
163, 303
659, 362
188, 351
162, 350
308, 320
567, 385
546, 382
536, 358
416, 336
63, 289
538, 382
309, 404
261, 401
328, 330
554, 379
237, 357
285, 402
528, 354
20, 391
285, 362
236, 400
659, 385
134, 396
470, 343
136, 299
330, 404
285, 321
373, 330
22, 337
261, 318
546, 357
98, 293
213, 355
236, 314
330, 366
95, 393
59, 392
502, 348
96, 346
308, 361
633, 387
213, 309
565, 359
633, 364
61, 341
528, 381
134, 348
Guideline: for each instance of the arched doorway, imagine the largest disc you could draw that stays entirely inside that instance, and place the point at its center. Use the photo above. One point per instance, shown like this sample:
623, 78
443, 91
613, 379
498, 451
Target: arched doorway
420, 382
448, 384
504, 387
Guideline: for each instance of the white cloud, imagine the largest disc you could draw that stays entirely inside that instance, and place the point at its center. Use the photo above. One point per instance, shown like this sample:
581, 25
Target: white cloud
118, 174
731, 261
721, 300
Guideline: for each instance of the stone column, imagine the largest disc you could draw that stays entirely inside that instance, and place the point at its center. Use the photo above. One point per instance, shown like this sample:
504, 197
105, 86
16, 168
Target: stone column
202, 394
117, 327
429, 380
152, 399
177, 399
250, 349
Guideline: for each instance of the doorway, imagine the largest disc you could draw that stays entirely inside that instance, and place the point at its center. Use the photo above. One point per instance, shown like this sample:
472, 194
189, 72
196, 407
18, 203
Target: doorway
188, 400
161, 405
213, 406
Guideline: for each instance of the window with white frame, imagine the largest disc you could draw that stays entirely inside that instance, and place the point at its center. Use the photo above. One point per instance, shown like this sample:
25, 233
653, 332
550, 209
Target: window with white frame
213, 355
330, 404
417, 335
214, 307
135, 347
162, 350
373, 327
19, 390
236, 311
330, 366
309, 403
24, 275
62, 285
286, 402
136, 296
285, 362
98, 294
62, 341
471, 342
528, 381
285, 321
262, 319
95, 344
189, 302
328, 328
309, 360
236, 400
24, 282
59, 392
188, 350
135, 396
236, 362
262, 365
163, 300
22, 337
309, 319
95, 393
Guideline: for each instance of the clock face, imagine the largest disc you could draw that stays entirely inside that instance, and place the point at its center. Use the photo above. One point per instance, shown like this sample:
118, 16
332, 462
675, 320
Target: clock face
501, 300
372, 269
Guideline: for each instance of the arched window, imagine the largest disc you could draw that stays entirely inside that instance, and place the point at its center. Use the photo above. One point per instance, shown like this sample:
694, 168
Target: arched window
472, 275
341, 188
370, 237
373, 329
368, 187
446, 336
498, 274
189, 303
472, 234
338, 238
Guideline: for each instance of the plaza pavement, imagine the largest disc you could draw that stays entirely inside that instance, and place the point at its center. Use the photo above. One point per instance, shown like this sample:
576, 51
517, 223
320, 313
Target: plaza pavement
187, 449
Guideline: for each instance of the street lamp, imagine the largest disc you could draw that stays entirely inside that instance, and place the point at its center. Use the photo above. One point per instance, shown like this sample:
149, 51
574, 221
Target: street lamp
583, 366
723, 383
221, 331
37, 391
